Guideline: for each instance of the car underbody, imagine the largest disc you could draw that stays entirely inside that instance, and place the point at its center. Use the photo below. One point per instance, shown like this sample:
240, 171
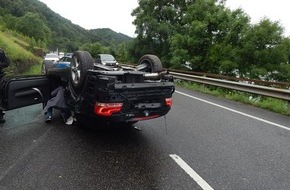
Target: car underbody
114, 94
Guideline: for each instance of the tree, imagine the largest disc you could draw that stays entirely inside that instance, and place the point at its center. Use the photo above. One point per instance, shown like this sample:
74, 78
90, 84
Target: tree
210, 34
222, 54
261, 47
33, 26
94, 49
122, 54
155, 23
197, 31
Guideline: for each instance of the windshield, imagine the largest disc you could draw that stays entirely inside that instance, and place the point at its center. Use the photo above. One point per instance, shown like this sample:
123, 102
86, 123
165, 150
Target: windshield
51, 56
107, 57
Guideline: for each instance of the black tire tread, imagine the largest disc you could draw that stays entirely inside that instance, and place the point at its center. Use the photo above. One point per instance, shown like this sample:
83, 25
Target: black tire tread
86, 63
153, 60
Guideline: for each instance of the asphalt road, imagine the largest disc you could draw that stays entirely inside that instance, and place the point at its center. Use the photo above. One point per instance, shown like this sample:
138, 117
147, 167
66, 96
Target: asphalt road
203, 143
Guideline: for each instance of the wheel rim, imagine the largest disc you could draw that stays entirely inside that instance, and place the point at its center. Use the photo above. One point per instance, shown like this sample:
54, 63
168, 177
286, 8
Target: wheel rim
148, 66
75, 71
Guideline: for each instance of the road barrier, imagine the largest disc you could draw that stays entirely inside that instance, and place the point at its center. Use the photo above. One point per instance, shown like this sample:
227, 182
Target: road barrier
279, 93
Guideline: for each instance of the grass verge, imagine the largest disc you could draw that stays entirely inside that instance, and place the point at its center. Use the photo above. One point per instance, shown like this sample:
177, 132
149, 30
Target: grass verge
34, 70
21, 60
272, 104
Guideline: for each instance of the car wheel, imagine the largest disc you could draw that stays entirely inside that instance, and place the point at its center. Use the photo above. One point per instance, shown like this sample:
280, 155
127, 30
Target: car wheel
150, 63
81, 62
45, 66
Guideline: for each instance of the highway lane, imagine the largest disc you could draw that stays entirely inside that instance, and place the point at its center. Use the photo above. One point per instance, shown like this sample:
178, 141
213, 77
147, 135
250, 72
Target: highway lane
39, 156
230, 150
226, 149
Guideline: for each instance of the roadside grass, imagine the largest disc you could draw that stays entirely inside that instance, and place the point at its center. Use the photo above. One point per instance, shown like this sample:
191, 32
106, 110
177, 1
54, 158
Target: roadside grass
21, 60
34, 70
272, 104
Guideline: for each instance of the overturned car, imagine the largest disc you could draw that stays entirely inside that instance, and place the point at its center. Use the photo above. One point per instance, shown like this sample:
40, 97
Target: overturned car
113, 94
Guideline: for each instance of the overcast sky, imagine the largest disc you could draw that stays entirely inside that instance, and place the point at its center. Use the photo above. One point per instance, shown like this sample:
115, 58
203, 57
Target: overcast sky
92, 14
275, 10
116, 14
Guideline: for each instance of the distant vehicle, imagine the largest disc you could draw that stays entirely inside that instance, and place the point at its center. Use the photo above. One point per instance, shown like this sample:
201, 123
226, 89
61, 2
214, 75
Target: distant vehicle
64, 62
51, 57
106, 59
60, 55
50, 61
68, 54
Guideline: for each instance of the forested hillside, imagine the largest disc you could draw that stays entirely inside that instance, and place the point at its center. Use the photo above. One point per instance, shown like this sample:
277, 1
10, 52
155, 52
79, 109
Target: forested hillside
34, 19
28, 29
109, 37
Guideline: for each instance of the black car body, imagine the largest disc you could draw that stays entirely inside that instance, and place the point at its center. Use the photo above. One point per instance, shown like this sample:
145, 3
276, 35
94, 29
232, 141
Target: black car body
119, 94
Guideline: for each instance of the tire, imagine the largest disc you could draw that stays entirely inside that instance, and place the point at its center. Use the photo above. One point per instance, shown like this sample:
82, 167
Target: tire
81, 62
152, 63
45, 66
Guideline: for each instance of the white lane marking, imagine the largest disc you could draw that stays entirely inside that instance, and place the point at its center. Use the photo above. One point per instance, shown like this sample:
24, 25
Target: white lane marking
203, 184
235, 111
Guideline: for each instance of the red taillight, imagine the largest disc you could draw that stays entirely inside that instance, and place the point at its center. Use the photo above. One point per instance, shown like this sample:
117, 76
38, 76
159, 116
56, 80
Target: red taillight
168, 102
107, 109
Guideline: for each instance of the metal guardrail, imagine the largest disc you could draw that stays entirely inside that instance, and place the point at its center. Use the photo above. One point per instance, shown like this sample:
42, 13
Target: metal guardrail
233, 78
283, 94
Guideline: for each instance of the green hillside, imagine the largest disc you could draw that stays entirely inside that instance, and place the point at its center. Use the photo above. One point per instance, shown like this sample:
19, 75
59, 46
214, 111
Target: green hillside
34, 19
29, 28
17, 50
108, 36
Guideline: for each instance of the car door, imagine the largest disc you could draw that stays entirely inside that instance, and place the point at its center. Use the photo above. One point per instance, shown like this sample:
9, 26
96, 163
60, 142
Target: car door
25, 91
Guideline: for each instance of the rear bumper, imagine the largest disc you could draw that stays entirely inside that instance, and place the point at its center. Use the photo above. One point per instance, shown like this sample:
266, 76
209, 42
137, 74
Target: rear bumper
140, 99
137, 115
